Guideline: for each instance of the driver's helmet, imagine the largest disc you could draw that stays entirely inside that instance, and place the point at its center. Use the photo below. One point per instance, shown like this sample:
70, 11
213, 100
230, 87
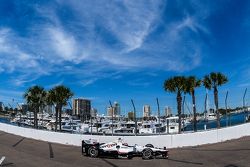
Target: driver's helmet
119, 140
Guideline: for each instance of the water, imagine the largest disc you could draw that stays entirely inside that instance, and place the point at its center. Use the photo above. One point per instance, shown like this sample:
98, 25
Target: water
236, 118
5, 120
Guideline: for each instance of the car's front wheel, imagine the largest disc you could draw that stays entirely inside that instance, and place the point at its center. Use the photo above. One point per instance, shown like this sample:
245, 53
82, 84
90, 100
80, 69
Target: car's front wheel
165, 155
147, 153
93, 152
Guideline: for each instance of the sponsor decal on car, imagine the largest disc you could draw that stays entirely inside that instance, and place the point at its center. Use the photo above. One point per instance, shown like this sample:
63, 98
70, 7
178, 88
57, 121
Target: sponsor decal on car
108, 145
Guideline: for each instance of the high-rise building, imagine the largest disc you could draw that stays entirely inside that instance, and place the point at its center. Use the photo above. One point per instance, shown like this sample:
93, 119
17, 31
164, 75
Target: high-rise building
168, 111
131, 116
115, 110
146, 111
81, 108
93, 112
110, 111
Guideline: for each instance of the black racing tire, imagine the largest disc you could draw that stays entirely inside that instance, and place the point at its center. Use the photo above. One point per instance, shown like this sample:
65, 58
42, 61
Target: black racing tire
93, 152
165, 155
116, 155
149, 145
147, 154
82, 150
130, 156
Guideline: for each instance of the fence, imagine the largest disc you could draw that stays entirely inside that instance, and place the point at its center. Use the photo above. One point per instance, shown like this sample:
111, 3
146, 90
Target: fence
170, 141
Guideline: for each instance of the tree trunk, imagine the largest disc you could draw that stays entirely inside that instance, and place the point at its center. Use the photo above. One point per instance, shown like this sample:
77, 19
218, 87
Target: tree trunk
194, 111
217, 106
60, 117
179, 100
56, 118
35, 118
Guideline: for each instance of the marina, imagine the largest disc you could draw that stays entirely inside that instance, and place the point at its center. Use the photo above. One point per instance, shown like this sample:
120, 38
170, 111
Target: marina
105, 126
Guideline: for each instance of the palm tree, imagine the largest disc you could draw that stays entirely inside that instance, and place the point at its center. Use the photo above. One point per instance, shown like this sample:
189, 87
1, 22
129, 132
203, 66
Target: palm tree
176, 85
59, 96
191, 83
35, 97
213, 80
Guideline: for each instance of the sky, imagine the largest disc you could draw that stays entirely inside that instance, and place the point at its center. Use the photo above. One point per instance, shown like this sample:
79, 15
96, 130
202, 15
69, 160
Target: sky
121, 50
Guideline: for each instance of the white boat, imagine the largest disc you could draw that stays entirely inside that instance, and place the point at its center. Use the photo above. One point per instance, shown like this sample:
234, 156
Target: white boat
172, 125
150, 127
99, 127
211, 117
70, 126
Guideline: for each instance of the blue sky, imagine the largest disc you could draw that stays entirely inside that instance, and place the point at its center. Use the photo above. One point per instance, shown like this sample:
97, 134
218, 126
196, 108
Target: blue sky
117, 50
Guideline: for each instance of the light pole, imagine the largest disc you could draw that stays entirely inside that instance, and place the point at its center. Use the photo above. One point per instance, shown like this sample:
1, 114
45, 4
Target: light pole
226, 107
244, 105
91, 122
134, 116
184, 98
158, 106
112, 117
205, 104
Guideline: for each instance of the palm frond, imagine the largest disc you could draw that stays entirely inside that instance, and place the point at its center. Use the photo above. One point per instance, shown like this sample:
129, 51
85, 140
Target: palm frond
175, 84
191, 83
207, 82
222, 79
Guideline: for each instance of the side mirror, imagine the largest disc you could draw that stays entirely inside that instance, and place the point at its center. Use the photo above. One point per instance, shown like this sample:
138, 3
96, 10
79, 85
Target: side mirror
118, 147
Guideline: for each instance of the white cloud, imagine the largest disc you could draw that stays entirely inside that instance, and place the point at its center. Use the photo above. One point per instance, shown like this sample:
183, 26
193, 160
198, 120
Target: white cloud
128, 21
102, 37
55, 84
12, 57
135, 22
133, 25
64, 45
87, 82
20, 80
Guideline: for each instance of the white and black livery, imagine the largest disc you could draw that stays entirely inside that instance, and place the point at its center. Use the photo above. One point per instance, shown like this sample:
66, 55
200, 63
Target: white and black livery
119, 149
149, 151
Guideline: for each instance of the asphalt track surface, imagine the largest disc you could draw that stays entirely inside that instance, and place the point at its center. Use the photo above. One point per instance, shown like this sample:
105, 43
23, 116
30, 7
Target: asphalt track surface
24, 152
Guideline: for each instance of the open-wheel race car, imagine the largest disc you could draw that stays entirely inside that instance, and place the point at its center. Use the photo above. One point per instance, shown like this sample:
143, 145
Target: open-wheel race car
119, 149
149, 151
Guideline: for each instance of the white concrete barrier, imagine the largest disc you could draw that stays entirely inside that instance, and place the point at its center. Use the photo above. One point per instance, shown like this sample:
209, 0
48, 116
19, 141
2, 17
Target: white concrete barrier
170, 141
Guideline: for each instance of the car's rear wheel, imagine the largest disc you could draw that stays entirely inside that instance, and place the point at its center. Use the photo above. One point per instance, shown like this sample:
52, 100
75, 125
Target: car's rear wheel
147, 153
93, 152
130, 156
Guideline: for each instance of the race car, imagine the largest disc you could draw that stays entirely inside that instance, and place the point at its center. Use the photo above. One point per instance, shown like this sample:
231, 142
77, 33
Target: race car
149, 151
119, 149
